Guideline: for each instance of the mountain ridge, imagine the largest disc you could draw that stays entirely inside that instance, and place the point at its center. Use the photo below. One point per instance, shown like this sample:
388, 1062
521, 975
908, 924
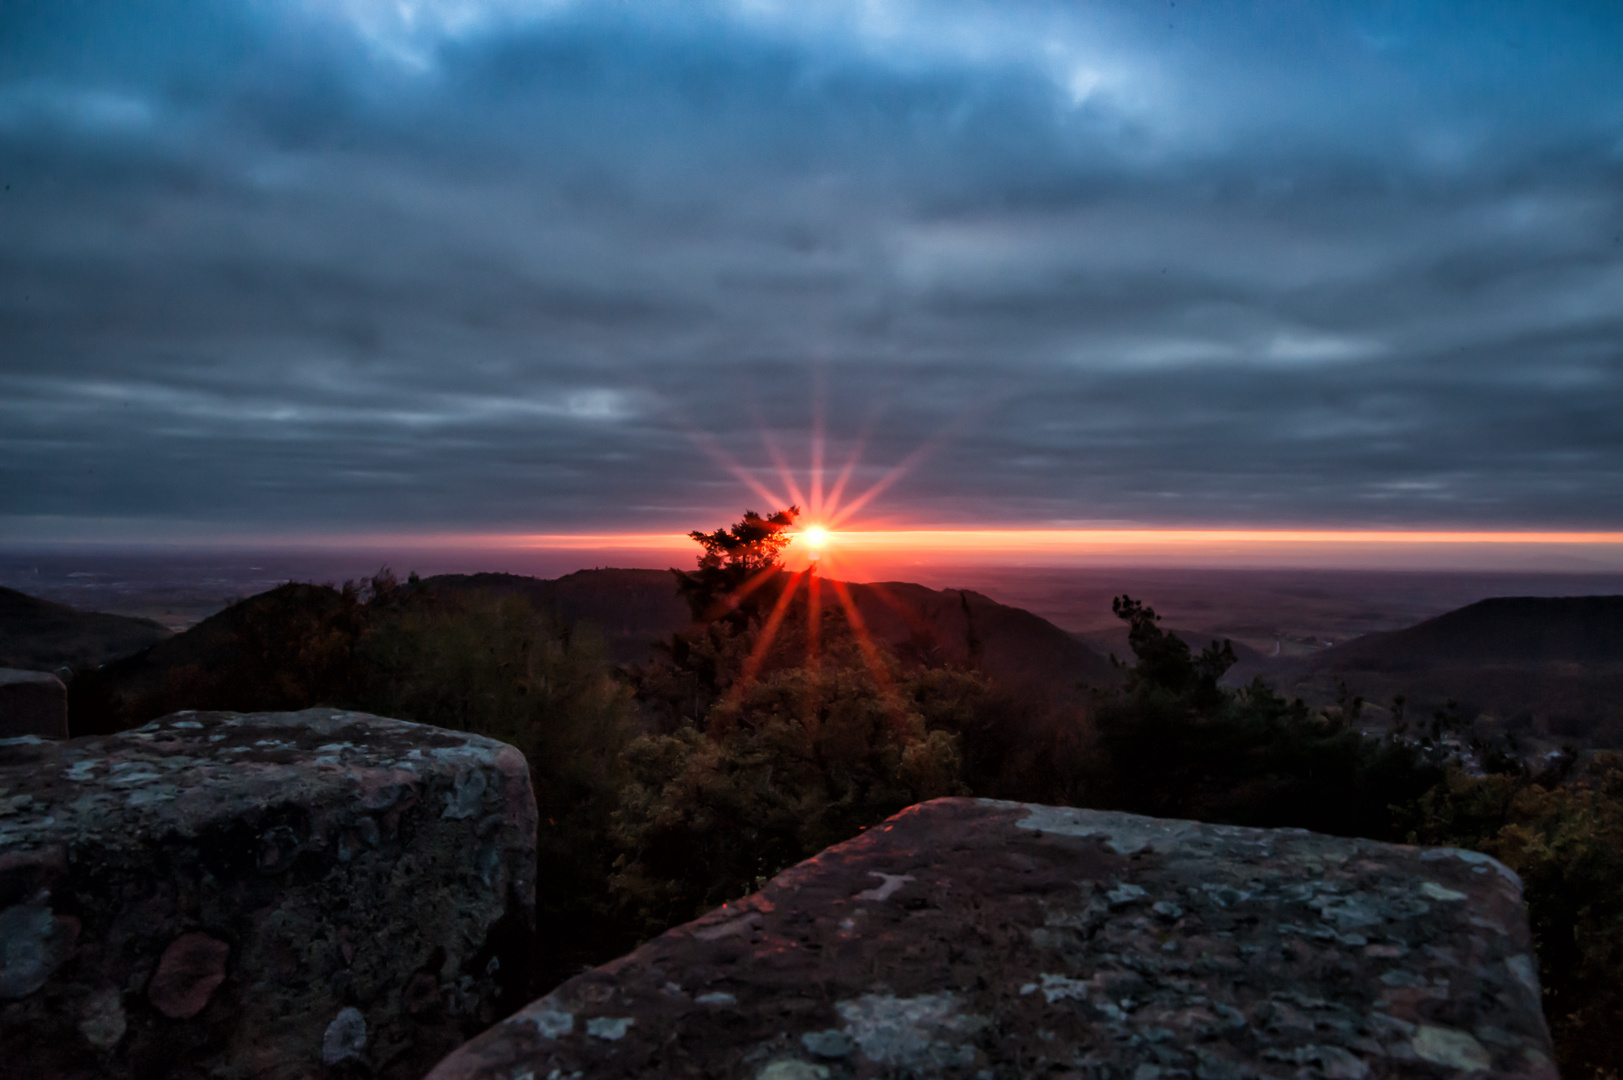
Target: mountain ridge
1568, 629
1550, 668
41, 635
273, 648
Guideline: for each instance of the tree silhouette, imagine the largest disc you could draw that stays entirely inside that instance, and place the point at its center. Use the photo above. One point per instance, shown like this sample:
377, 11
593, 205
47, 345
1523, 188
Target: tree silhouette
1164, 660
735, 563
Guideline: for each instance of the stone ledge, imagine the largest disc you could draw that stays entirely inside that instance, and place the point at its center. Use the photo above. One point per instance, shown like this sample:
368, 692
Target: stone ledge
968, 938
268, 895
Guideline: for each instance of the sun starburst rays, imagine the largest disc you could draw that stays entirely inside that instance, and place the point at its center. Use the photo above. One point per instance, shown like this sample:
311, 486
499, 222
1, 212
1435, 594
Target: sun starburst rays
769, 632
785, 474
824, 510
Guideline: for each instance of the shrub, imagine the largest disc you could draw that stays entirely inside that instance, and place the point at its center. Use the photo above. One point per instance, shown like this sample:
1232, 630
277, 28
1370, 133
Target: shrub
1173, 743
1564, 836
795, 760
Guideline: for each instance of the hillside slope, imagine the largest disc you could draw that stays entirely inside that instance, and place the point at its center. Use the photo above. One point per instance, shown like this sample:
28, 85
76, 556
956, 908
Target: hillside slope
276, 649
265, 653
635, 608
630, 608
38, 635
1548, 667
963, 628
1506, 629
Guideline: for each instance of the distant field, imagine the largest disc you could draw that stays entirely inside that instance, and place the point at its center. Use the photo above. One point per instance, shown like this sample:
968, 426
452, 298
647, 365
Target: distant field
1301, 611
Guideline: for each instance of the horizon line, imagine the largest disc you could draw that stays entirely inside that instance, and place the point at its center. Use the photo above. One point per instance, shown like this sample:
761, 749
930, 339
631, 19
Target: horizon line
878, 539
885, 539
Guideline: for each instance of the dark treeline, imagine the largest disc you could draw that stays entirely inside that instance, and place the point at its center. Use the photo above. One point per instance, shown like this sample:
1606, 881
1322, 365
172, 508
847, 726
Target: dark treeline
669, 787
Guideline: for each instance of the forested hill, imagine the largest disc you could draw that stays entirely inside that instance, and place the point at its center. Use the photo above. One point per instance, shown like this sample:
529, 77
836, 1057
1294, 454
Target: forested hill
630, 608
965, 629
1548, 668
1518, 629
38, 635
634, 608
294, 645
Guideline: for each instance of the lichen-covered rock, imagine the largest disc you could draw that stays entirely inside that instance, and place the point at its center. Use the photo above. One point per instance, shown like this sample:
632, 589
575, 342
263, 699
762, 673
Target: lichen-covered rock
32, 703
969, 938
269, 895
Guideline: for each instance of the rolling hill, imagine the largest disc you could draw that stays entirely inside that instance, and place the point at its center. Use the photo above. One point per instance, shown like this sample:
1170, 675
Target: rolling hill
630, 608
634, 608
38, 635
1507, 629
272, 650
959, 627
1546, 667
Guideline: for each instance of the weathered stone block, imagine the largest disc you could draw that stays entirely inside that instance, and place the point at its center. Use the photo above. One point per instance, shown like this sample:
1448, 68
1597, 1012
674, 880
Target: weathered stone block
275, 895
967, 938
32, 703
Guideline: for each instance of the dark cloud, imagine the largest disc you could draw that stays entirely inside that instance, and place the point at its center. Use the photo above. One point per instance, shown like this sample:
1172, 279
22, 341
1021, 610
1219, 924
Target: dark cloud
299, 267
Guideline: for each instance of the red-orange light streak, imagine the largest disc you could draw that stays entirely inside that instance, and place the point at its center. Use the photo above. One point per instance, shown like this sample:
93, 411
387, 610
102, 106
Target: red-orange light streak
814, 661
784, 473
865, 645
755, 581
895, 473
907, 614
768, 632
845, 475
721, 457
860, 444
814, 619
815, 506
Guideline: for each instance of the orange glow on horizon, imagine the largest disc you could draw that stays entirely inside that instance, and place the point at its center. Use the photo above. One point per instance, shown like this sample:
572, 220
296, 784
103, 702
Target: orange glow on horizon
830, 540
858, 554
981, 544
1019, 540
1025, 541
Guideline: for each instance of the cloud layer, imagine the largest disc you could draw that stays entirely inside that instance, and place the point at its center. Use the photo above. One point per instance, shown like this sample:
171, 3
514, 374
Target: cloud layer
303, 267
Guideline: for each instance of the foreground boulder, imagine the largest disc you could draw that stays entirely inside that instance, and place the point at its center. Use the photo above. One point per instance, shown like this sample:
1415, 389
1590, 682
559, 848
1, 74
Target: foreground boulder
32, 703
263, 895
968, 938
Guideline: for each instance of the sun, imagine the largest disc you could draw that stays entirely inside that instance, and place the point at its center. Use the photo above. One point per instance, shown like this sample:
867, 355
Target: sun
818, 581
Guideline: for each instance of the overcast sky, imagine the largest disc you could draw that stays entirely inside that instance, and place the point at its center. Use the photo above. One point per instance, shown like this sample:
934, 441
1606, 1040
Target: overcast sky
325, 266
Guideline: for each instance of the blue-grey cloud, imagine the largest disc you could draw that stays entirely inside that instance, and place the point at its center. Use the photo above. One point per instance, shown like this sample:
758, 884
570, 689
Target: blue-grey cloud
460, 265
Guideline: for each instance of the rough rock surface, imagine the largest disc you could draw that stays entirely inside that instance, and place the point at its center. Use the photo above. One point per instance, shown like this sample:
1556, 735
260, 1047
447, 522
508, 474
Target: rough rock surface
269, 895
967, 938
32, 703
